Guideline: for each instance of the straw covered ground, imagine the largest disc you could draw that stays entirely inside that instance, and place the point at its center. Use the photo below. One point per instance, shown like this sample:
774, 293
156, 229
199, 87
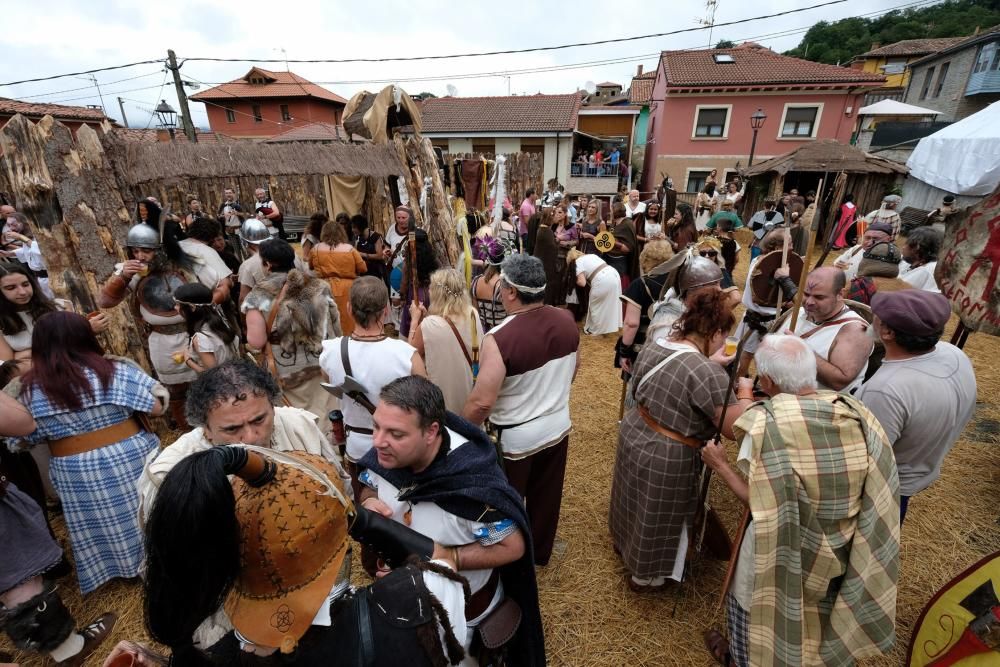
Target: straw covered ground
591, 618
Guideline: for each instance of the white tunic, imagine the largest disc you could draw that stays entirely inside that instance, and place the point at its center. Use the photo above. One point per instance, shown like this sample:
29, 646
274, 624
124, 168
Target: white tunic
921, 277
852, 257
604, 313
821, 342
374, 364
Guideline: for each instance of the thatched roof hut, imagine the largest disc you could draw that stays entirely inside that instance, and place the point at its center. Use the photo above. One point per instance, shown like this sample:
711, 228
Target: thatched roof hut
843, 169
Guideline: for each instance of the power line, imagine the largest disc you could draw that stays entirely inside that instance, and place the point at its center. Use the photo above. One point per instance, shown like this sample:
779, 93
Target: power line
88, 71
166, 73
90, 97
514, 51
73, 90
568, 66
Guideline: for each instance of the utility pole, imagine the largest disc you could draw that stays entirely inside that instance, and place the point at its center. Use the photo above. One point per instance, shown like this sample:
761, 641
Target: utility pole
121, 105
182, 99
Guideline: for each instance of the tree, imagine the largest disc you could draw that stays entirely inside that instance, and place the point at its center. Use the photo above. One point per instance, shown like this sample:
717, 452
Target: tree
725, 44
840, 41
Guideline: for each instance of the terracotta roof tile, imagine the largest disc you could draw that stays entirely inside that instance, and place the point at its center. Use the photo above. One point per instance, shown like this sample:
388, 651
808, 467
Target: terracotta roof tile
753, 66
280, 84
57, 111
528, 113
641, 89
913, 47
609, 84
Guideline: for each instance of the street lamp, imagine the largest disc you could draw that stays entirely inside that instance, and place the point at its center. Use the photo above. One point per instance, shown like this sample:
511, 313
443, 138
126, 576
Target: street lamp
167, 117
756, 122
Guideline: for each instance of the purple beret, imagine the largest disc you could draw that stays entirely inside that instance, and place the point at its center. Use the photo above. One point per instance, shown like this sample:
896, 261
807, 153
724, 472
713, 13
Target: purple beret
912, 311
883, 227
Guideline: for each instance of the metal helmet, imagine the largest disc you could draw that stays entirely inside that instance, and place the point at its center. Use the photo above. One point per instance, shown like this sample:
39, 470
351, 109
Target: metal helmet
254, 231
699, 272
142, 235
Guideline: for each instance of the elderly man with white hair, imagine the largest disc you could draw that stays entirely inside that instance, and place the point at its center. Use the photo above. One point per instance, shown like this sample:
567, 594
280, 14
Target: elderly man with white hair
815, 576
633, 207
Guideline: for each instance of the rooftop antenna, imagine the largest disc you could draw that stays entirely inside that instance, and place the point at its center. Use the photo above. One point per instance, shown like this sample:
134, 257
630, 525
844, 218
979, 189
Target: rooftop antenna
710, 8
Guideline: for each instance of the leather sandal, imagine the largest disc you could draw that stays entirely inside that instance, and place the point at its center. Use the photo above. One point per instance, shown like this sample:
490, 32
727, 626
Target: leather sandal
93, 636
718, 646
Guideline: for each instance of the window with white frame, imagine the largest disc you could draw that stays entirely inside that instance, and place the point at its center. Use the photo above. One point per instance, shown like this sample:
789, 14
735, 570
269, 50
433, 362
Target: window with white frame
696, 180
711, 122
799, 121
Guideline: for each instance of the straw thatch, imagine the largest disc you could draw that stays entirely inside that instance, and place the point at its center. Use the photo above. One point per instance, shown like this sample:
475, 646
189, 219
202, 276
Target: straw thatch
827, 155
591, 618
153, 162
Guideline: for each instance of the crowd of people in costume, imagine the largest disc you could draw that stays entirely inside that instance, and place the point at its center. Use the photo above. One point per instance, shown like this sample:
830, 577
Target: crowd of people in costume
359, 392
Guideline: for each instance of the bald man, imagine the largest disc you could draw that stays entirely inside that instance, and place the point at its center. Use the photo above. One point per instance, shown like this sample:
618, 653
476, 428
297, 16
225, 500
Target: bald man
835, 333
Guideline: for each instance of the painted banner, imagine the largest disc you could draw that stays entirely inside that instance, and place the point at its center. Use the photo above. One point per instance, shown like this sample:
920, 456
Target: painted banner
969, 265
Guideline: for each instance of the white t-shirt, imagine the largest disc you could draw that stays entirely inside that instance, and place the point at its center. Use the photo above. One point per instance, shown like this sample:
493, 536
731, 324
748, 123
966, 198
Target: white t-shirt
207, 340
375, 364
852, 257
393, 239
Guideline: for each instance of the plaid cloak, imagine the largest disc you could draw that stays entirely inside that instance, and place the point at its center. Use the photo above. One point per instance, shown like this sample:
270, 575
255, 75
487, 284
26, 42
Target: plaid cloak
824, 494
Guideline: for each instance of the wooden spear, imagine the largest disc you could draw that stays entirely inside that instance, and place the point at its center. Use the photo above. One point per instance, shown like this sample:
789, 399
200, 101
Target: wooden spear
810, 248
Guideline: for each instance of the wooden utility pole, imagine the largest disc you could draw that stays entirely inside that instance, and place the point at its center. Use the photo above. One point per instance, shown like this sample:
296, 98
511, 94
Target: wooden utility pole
182, 99
121, 105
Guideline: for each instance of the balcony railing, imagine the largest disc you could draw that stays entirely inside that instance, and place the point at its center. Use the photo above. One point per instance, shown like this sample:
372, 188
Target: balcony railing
602, 169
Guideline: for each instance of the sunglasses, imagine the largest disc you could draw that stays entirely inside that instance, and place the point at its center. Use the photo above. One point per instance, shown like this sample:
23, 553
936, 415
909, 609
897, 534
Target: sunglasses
709, 253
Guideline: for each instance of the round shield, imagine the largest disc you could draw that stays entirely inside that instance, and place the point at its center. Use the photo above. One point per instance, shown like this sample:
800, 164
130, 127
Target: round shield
604, 241
763, 287
156, 292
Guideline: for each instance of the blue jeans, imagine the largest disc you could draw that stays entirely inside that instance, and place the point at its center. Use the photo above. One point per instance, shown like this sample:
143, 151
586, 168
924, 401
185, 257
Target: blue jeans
904, 502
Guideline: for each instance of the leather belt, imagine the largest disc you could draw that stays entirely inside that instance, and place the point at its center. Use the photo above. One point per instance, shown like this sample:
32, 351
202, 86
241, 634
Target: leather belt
102, 437
481, 599
663, 430
358, 429
168, 329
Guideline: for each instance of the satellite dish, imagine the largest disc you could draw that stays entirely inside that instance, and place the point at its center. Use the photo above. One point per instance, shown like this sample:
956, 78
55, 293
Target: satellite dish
452, 90
590, 87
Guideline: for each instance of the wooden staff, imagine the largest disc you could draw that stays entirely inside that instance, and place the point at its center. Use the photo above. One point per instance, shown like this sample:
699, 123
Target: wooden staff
412, 240
810, 248
701, 511
786, 236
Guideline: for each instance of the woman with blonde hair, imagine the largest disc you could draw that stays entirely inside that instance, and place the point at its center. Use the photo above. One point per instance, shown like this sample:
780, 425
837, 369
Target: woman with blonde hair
448, 336
337, 262
604, 315
590, 225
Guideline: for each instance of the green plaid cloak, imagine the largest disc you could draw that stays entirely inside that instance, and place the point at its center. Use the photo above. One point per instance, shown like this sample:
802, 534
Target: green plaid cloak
824, 495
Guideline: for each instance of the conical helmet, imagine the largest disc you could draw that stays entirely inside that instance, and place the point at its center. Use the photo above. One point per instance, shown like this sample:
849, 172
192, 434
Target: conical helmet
254, 231
142, 235
699, 272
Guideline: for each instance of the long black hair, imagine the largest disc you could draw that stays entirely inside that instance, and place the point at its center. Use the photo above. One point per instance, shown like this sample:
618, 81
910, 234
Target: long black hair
192, 552
10, 322
203, 314
426, 261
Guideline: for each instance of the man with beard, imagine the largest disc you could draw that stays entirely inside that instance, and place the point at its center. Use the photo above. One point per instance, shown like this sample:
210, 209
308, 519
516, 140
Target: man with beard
157, 266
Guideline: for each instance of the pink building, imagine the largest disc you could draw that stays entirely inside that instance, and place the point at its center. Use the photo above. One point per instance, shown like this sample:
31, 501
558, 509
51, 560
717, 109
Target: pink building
702, 102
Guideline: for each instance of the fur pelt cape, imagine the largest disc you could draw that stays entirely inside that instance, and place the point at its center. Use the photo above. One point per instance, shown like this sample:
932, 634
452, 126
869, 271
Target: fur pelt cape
307, 314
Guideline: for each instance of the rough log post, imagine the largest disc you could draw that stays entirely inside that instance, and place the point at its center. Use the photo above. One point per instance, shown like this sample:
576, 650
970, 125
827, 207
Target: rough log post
418, 154
71, 194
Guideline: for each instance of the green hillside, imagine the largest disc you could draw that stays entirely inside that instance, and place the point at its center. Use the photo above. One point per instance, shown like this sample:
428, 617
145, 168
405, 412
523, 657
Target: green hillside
839, 41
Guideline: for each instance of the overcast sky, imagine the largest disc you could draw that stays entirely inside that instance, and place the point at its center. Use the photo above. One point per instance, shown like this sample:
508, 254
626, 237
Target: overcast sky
46, 37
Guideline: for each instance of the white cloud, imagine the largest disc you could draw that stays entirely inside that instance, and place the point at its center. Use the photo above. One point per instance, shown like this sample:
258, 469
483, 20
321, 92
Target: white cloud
54, 36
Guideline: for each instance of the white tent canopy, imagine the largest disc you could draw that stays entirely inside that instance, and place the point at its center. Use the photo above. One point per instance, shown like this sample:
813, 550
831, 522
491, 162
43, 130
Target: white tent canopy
895, 108
963, 158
